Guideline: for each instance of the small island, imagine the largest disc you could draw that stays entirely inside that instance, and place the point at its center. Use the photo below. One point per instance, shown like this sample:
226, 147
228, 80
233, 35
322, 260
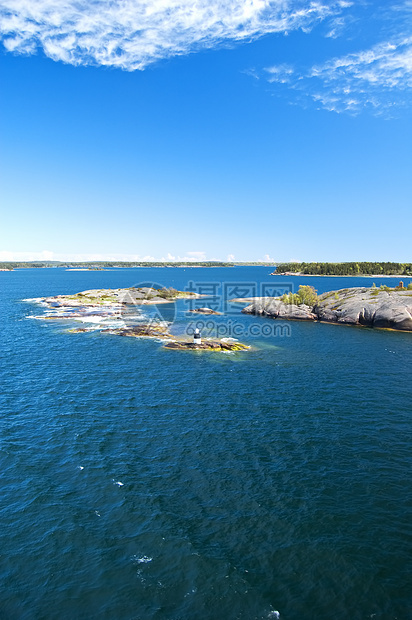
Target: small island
384, 307
207, 344
106, 302
208, 311
96, 298
97, 305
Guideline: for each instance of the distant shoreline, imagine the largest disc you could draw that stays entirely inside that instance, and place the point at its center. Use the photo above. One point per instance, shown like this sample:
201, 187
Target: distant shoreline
360, 269
102, 265
335, 275
326, 270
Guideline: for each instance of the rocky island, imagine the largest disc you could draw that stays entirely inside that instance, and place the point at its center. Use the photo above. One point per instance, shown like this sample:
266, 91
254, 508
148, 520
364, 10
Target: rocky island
207, 344
382, 307
114, 312
107, 302
160, 330
116, 297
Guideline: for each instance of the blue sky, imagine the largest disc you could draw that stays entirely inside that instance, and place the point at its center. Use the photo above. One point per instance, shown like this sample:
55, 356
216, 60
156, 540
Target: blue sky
203, 129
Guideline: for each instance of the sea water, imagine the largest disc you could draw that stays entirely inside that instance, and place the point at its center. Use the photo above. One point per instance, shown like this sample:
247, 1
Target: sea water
144, 483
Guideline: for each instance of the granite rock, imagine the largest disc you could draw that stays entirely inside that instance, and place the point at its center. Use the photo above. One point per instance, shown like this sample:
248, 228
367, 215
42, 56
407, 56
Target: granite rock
372, 307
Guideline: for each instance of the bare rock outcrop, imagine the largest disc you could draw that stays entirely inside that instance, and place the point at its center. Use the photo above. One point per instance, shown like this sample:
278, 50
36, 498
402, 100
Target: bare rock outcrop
372, 307
276, 309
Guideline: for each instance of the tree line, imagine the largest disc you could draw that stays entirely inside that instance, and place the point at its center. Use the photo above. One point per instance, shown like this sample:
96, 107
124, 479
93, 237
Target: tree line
347, 269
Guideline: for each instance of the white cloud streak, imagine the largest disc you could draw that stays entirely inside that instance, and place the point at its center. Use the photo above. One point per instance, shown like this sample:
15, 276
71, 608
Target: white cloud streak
131, 34
47, 255
44, 255
379, 78
387, 65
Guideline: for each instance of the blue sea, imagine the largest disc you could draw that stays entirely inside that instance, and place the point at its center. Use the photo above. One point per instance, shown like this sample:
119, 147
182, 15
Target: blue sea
139, 483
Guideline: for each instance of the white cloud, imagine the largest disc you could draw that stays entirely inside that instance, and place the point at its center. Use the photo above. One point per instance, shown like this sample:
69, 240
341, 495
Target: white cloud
387, 65
45, 255
281, 74
131, 34
195, 256
378, 78
336, 28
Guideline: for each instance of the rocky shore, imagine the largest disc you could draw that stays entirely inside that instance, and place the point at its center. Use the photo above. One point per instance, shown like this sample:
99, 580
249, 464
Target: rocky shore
372, 307
116, 297
160, 331
106, 302
207, 345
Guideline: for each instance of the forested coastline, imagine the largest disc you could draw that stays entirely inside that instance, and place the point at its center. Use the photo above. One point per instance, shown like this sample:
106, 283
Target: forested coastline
346, 269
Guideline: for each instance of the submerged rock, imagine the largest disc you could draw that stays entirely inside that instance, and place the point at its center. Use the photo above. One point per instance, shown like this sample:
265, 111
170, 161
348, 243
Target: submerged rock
145, 330
372, 307
78, 330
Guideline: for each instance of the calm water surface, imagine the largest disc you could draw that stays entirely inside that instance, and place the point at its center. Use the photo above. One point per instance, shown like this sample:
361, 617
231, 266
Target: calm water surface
141, 483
